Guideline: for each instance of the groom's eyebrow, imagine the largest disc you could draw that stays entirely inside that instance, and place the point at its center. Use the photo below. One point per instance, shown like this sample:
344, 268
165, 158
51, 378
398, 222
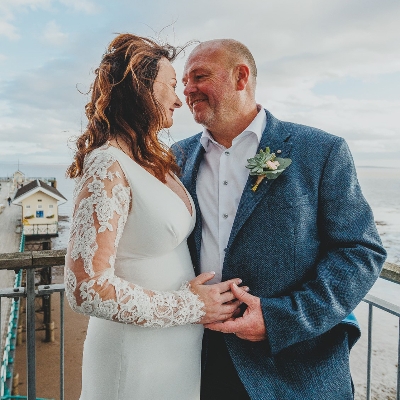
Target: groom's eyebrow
191, 72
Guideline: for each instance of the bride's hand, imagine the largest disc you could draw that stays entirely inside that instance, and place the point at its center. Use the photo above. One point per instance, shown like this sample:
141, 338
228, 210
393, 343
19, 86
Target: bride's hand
219, 302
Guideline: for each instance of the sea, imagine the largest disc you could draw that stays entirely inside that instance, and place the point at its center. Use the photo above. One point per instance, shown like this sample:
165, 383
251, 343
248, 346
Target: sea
380, 186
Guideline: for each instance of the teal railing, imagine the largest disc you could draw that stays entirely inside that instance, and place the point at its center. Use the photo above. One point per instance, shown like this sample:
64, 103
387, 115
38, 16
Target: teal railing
7, 364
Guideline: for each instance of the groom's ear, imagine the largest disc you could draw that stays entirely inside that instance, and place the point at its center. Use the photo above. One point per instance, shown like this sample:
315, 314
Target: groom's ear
242, 76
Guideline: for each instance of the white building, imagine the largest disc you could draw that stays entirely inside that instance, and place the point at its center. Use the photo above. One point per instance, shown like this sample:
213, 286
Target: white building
39, 202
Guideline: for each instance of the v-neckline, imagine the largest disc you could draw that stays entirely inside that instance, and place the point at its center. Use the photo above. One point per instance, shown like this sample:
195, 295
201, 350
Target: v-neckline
177, 180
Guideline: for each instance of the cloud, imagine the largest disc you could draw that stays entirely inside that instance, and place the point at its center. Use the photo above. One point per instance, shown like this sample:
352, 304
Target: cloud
52, 34
86, 6
8, 30
8, 9
303, 51
13, 148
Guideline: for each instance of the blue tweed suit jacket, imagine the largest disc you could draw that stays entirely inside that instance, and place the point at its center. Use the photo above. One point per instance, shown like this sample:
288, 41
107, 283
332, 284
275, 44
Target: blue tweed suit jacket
307, 245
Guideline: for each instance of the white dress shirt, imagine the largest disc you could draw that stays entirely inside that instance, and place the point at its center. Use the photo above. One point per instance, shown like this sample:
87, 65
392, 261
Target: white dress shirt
221, 179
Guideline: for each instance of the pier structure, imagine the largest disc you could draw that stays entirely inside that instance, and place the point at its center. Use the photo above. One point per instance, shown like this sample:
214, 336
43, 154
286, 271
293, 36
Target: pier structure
9, 242
13, 191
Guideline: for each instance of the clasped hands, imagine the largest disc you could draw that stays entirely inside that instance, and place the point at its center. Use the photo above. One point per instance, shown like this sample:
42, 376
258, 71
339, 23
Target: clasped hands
221, 305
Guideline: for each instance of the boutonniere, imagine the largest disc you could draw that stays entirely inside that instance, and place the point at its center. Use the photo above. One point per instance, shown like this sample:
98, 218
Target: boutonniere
266, 165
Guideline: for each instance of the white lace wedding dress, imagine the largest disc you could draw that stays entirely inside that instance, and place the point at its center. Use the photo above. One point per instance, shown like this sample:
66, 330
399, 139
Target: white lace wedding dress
127, 267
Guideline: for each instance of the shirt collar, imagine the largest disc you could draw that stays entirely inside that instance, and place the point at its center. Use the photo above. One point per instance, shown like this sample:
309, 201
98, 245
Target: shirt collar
256, 127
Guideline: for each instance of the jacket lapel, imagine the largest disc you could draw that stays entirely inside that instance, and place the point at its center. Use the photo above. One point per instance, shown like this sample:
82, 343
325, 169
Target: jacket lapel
276, 138
189, 179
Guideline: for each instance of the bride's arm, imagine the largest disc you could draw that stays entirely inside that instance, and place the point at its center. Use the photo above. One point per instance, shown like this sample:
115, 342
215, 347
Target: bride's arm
102, 200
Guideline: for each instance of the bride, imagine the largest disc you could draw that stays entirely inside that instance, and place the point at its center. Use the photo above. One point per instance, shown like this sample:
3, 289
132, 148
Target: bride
128, 264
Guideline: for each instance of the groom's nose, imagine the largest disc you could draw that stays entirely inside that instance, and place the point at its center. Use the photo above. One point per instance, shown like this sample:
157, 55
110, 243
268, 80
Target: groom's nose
189, 88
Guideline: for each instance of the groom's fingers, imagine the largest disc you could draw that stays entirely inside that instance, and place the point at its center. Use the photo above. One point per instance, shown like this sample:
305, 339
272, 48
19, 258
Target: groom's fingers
242, 295
230, 326
226, 285
229, 296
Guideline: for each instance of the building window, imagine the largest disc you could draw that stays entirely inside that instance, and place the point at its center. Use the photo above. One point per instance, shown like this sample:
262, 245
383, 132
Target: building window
27, 206
51, 205
39, 199
39, 206
39, 214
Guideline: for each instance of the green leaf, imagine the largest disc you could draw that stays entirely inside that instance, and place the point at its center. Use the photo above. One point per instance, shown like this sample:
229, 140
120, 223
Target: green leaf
283, 162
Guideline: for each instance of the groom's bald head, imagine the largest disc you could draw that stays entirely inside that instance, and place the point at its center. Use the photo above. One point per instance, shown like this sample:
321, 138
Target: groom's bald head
230, 51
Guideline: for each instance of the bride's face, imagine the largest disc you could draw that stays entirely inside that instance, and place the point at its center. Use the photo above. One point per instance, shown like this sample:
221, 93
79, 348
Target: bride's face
164, 90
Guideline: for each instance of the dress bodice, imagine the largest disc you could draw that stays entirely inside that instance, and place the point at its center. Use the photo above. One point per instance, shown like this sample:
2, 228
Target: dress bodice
159, 220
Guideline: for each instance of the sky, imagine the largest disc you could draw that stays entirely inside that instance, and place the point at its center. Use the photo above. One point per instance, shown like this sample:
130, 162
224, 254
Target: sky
334, 65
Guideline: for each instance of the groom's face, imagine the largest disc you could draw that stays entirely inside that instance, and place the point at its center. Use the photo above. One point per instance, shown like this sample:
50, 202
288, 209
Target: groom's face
209, 87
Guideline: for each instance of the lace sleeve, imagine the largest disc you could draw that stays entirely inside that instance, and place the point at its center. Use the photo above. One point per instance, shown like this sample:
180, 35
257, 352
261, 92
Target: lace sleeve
102, 199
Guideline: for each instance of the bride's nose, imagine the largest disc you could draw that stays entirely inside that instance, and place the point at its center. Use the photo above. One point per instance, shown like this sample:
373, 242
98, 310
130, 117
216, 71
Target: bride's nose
178, 102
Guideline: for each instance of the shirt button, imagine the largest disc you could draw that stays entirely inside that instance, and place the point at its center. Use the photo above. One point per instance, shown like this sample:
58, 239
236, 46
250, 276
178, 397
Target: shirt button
227, 153
225, 215
225, 182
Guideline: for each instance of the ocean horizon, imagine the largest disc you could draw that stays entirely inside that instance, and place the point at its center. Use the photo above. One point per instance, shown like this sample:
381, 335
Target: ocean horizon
380, 186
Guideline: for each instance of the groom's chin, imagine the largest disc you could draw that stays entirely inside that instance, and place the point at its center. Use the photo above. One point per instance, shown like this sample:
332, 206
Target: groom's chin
201, 118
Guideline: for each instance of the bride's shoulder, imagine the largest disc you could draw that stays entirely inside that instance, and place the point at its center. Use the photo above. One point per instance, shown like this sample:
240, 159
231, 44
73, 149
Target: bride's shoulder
99, 159
100, 163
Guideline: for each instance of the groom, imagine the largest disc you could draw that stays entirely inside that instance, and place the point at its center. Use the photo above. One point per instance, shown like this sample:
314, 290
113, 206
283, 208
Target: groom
305, 243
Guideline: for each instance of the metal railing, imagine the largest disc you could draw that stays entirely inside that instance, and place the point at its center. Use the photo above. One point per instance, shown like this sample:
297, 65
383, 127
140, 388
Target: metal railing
30, 261
40, 229
390, 272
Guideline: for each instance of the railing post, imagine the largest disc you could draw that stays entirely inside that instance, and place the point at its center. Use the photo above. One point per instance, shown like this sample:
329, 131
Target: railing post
30, 333
62, 345
398, 366
369, 359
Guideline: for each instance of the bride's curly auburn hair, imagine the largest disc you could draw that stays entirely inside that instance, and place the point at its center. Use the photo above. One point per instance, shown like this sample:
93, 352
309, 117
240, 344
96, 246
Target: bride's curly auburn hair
123, 105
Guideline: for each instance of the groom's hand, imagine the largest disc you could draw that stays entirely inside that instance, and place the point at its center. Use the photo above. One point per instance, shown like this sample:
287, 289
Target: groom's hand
251, 325
219, 301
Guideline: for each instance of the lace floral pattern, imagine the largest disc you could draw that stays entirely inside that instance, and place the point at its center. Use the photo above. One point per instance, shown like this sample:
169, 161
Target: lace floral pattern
102, 199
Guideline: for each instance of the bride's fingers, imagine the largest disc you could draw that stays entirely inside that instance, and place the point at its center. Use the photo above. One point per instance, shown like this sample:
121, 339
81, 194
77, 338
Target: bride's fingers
230, 308
202, 278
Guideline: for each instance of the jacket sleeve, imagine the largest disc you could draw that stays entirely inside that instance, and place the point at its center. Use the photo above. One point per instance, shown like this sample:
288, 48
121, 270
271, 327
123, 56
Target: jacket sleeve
351, 258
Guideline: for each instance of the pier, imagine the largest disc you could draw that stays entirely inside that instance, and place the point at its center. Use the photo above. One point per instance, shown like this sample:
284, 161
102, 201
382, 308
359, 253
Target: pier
9, 242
